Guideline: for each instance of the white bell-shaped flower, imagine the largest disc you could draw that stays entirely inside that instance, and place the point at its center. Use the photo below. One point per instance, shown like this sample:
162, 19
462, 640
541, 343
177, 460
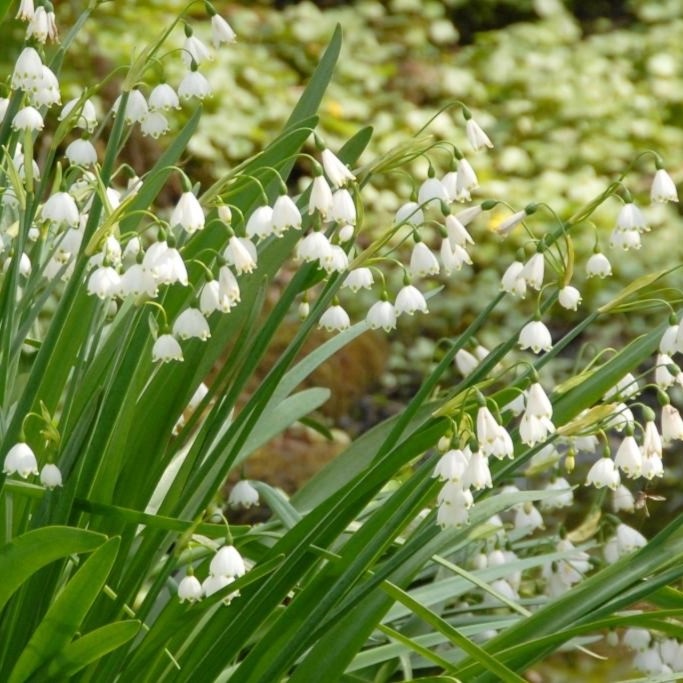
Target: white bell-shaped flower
458, 236
451, 465
166, 349
314, 247
476, 136
136, 107
629, 457
194, 84
28, 70
535, 336
477, 475
465, 182
672, 424
260, 223
603, 473
630, 217
513, 281
190, 589
466, 362
432, 191
320, 198
212, 298
20, 459
221, 31
336, 171
163, 98
243, 495
61, 208
410, 214
422, 261
154, 125
104, 282
50, 476
622, 500
241, 253
533, 271
286, 215
409, 300
191, 324
138, 281
343, 209
569, 297
663, 188
195, 51
598, 265
81, 152
359, 278
453, 257
86, 119
227, 562
335, 318
382, 314
228, 285
188, 213
27, 119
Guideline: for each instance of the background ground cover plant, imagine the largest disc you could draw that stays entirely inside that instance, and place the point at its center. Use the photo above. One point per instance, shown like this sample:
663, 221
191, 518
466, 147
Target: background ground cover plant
99, 557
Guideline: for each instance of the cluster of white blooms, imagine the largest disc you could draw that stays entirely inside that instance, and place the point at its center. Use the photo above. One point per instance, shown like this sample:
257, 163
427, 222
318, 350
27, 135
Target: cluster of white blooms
225, 567
21, 460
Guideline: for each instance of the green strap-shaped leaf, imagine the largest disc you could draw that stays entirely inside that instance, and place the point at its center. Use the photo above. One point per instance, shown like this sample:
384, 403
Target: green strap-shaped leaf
31, 551
91, 647
67, 612
4, 6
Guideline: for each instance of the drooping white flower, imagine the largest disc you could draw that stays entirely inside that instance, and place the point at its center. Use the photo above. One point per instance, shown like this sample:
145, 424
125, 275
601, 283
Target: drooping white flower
652, 467
382, 314
320, 199
227, 562
621, 418
476, 136
513, 281
630, 217
411, 214
625, 239
87, 118
213, 584
453, 257
211, 298
336, 171
569, 297
241, 253
166, 349
285, 215
194, 84
228, 285
28, 70
527, 519
191, 324
466, 181
154, 124
38, 26
50, 476
511, 222
477, 474
672, 424
138, 281
410, 299
346, 233
432, 190
343, 209
188, 213
221, 31
598, 265
628, 539
260, 223
535, 336
26, 10
190, 589
622, 499
61, 208
636, 638
359, 278
663, 188
422, 261
451, 465
454, 501
195, 51
81, 152
667, 343
533, 271
466, 362
652, 441
136, 107
46, 91
336, 261
104, 282
165, 264
627, 387
563, 494
457, 233
163, 98
20, 459
335, 318
243, 495
27, 119
314, 247
603, 473
629, 458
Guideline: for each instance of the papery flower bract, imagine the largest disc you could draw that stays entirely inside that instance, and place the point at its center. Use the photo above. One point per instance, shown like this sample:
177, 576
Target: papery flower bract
432, 190
163, 98
227, 562
358, 278
50, 476
320, 199
27, 119
104, 282
569, 297
260, 223
241, 253
191, 324
382, 314
409, 213
422, 261
166, 349
314, 247
410, 299
603, 473
188, 213
81, 152
136, 107
285, 215
243, 495
598, 265
221, 31
535, 336
154, 124
190, 589
194, 84
335, 318
20, 459
336, 171
663, 188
